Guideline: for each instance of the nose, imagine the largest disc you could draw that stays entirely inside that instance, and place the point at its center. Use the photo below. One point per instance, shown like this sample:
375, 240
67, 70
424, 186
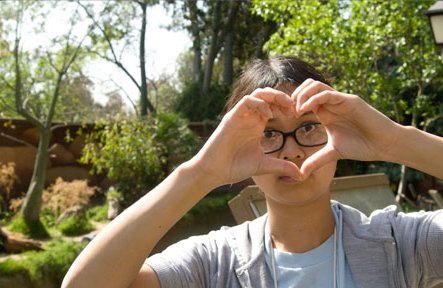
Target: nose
291, 150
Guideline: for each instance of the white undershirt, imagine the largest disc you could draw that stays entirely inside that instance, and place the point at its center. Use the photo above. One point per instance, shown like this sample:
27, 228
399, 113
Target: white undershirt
314, 268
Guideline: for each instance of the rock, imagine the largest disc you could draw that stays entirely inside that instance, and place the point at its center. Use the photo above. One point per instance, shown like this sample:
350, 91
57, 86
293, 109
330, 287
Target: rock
60, 155
31, 135
113, 208
74, 211
77, 145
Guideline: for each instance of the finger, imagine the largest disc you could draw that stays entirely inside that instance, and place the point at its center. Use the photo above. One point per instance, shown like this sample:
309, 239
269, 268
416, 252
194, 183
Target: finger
271, 165
318, 160
331, 97
273, 96
252, 104
300, 88
310, 90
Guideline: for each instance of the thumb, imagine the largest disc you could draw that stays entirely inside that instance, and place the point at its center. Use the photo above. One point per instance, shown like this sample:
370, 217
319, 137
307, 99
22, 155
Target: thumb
317, 160
276, 166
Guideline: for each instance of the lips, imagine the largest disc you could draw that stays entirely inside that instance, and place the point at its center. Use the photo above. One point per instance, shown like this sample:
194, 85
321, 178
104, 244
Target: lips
288, 179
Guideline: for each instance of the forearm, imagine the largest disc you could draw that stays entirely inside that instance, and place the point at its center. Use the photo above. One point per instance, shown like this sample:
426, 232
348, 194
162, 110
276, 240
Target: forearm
419, 150
114, 257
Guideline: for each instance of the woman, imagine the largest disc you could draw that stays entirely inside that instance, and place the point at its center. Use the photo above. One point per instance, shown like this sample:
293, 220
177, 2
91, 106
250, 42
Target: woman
286, 129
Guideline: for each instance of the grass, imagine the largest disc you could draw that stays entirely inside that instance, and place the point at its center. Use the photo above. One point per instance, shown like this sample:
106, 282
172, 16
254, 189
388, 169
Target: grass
98, 213
75, 226
53, 263
35, 229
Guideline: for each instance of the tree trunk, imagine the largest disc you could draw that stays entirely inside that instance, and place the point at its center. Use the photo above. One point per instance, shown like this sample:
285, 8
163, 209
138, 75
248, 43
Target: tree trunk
265, 34
229, 43
33, 201
212, 51
145, 105
196, 41
228, 70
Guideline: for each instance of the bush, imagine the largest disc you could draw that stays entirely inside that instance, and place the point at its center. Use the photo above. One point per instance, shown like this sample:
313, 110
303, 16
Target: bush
62, 196
74, 226
98, 213
138, 154
8, 181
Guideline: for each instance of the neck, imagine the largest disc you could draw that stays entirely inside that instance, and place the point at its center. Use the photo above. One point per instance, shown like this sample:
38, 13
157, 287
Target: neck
300, 229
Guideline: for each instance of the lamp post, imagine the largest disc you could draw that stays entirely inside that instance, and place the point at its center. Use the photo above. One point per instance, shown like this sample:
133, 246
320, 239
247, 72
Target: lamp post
435, 14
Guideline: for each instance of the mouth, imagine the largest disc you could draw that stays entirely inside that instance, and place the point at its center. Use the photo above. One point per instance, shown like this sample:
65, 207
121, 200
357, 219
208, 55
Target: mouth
287, 179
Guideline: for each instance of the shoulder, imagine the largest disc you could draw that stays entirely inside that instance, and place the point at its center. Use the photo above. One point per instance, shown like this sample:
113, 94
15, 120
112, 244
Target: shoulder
390, 220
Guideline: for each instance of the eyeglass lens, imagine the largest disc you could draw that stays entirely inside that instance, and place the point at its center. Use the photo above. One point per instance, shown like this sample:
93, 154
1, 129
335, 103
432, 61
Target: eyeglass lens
308, 135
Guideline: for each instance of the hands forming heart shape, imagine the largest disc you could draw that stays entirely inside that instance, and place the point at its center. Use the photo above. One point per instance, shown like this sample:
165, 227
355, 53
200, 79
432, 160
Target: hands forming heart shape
355, 131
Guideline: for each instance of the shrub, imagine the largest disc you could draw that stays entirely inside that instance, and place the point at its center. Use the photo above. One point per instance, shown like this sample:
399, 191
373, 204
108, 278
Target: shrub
62, 196
8, 181
98, 213
138, 154
76, 225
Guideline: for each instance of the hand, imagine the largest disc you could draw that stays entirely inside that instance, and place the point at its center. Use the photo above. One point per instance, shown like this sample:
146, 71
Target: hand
233, 152
355, 129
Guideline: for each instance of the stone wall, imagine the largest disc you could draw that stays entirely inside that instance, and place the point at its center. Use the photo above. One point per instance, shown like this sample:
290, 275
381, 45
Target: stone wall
18, 144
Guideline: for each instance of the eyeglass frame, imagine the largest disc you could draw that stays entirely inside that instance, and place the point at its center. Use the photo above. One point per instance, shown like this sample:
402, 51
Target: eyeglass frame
294, 135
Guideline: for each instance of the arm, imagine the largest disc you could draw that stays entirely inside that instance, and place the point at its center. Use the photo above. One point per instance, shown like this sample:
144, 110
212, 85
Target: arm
233, 153
419, 150
358, 131
114, 258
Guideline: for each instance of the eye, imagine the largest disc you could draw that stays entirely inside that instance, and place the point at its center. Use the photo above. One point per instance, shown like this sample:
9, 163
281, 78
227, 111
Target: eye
308, 128
269, 134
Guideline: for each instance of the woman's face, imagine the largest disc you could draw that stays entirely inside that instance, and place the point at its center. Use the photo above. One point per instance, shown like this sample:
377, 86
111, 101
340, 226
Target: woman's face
285, 190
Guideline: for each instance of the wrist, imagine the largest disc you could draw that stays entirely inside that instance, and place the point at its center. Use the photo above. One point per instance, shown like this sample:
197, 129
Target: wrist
401, 146
192, 170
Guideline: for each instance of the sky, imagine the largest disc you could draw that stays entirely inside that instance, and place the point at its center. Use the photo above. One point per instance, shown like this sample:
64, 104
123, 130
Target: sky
162, 46
162, 49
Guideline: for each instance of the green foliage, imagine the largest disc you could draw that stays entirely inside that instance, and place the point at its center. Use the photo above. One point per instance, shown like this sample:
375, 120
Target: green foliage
34, 229
197, 107
138, 154
212, 203
98, 213
53, 263
380, 50
74, 226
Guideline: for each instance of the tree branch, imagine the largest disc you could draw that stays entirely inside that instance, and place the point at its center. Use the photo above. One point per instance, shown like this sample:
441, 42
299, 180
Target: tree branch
67, 62
17, 140
18, 81
111, 47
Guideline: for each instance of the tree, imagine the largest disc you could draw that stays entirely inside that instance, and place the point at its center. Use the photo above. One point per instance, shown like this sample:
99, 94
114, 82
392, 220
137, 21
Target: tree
381, 50
217, 30
34, 80
114, 31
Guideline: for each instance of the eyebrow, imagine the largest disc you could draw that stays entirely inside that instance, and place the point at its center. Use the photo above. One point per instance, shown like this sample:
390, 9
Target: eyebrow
304, 114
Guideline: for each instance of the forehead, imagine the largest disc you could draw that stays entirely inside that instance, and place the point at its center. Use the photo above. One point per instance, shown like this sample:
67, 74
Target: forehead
305, 115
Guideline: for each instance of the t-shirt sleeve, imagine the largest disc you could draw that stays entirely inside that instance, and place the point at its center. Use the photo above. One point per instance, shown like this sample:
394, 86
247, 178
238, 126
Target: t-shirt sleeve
183, 264
422, 246
434, 245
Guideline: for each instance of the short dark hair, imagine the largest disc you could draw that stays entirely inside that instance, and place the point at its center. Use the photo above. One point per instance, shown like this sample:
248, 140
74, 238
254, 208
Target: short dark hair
273, 72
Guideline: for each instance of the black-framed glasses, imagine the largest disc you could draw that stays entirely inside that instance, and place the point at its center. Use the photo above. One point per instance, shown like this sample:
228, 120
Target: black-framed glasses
308, 135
